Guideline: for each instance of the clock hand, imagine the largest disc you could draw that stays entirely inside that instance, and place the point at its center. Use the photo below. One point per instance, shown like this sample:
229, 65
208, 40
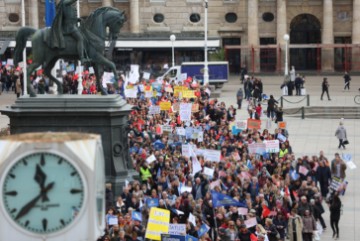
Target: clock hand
40, 178
26, 209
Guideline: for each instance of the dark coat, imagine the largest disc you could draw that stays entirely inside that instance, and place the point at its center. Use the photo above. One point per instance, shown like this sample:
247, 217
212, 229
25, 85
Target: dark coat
335, 209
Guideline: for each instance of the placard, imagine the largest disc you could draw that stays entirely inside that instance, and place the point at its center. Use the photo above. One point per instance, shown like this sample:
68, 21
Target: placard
154, 109
176, 228
165, 105
272, 146
148, 94
251, 222
151, 159
257, 148
186, 150
180, 131
158, 223
195, 107
172, 237
188, 94
282, 125
212, 155
167, 128
131, 93
185, 111
253, 124
208, 171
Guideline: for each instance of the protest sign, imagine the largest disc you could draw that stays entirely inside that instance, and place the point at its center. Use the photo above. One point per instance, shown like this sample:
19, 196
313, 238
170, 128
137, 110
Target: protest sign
200, 136
146, 75
251, 222
257, 148
281, 137
215, 184
172, 237
303, 170
154, 109
148, 94
178, 89
335, 183
112, 220
195, 107
186, 150
212, 155
348, 160
188, 94
253, 124
168, 89
272, 146
242, 211
282, 125
176, 228
165, 105
167, 128
185, 111
158, 223
185, 189
192, 219
208, 171
180, 131
151, 159
131, 92
176, 107
241, 124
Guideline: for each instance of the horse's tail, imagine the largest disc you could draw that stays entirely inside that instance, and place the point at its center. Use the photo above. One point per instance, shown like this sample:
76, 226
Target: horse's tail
21, 37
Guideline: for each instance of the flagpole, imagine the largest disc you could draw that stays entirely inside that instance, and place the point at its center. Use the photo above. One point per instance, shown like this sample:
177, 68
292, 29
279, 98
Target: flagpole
24, 52
80, 86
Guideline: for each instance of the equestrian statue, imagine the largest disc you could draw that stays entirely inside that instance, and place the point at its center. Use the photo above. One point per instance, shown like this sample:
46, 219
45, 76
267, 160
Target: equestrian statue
68, 41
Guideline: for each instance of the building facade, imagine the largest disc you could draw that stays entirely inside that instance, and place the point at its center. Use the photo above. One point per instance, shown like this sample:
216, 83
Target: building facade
324, 34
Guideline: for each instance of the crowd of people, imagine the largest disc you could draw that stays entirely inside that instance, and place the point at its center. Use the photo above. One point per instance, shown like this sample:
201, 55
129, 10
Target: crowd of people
285, 195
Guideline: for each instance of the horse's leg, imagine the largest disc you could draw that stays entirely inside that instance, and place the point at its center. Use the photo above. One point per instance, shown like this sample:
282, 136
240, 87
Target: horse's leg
47, 71
100, 59
31, 68
98, 79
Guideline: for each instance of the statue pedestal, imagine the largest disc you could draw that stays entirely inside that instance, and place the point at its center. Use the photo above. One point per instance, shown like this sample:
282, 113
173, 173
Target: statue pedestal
104, 115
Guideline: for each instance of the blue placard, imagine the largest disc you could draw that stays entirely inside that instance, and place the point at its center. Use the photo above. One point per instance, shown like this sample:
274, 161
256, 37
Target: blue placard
172, 237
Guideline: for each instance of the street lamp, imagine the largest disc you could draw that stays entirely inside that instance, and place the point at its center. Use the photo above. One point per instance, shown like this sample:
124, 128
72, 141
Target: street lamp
80, 84
286, 38
206, 68
172, 39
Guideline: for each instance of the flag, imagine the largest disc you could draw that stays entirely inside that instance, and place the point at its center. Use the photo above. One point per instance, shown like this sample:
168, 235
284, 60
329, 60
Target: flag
249, 165
222, 200
294, 175
203, 230
266, 211
136, 216
152, 202
50, 12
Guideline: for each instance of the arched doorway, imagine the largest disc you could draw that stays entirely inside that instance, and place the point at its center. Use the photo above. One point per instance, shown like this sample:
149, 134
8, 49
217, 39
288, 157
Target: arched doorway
305, 29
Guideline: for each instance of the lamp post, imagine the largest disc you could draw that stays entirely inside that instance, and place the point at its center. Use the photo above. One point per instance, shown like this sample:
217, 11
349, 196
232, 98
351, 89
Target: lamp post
80, 85
24, 52
286, 38
206, 68
172, 39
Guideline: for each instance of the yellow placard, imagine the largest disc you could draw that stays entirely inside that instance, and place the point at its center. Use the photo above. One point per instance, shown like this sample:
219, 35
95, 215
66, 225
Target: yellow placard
177, 90
158, 223
165, 105
188, 94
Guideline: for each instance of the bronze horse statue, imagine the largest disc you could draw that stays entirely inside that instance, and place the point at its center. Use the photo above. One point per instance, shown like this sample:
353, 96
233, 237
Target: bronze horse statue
94, 30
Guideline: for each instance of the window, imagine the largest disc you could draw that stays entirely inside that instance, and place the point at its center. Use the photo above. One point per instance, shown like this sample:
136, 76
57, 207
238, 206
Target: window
13, 17
268, 17
195, 18
158, 18
231, 17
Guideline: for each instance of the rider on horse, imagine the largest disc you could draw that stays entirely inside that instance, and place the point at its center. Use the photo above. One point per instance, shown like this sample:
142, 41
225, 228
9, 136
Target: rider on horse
65, 23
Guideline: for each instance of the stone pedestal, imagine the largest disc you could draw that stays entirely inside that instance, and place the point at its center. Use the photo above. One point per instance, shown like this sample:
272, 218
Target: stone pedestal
104, 115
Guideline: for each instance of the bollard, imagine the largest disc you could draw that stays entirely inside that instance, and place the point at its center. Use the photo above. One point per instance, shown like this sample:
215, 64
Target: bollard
281, 102
303, 112
307, 100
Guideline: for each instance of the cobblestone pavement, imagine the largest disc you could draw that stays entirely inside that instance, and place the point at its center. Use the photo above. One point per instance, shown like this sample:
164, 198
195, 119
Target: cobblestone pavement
307, 136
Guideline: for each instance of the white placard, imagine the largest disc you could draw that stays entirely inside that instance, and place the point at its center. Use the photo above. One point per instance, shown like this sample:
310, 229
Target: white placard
151, 159
167, 128
186, 150
241, 124
113, 220
208, 171
257, 148
200, 136
185, 111
176, 228
281, 137
134, 75
212, 155
146, 75
180, 131
272, 146
131, 93
154, 109
91, 70
192, 219
251, 222
185, 189
10, 62
242, 211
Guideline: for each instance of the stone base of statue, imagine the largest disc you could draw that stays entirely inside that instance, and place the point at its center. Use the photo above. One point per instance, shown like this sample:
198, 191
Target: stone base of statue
104, 115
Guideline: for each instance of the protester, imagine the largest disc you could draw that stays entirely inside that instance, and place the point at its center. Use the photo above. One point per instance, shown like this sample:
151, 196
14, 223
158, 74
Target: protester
295, 226
309, 226
338, 167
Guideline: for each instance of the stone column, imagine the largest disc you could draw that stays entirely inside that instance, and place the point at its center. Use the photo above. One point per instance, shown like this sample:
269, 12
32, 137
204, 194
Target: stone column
134, 16
327, 54
253, 36
33, 12
107, 3
281, 30
356, 35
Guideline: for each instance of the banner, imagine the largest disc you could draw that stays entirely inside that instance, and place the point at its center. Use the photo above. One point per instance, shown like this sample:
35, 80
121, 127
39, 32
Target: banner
257, 148
222, 200
158, 223
203, 230
253, 124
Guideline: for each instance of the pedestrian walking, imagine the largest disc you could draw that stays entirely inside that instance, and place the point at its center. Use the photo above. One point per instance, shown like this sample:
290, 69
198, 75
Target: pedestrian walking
295, 226
341, 134
325, 88
271, 107
335, 212
347, 80
309, 226
239, 97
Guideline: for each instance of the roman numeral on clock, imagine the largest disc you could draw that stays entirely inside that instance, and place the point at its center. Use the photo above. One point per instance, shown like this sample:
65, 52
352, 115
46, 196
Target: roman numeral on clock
11, 193
75, 191
44, 224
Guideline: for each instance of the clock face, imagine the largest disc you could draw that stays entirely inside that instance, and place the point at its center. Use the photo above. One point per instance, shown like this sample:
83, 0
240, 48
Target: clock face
43, 192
